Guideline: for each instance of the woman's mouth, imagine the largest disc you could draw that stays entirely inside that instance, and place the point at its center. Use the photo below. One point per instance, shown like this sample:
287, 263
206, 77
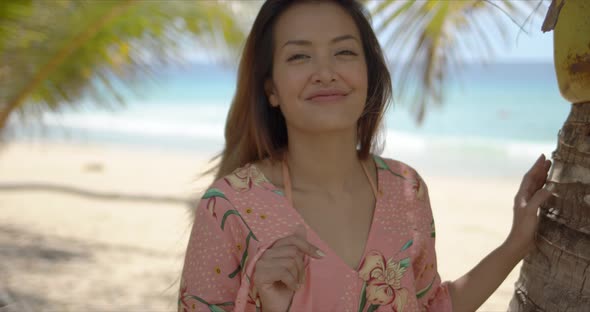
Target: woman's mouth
327, 98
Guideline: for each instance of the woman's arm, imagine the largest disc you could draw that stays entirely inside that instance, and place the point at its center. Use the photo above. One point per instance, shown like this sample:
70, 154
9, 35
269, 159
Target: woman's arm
472, 289
210, 278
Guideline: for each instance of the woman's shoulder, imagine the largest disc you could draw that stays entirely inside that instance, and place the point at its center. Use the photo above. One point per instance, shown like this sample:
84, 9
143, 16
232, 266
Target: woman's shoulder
245, 188
415, 186
396, 167
247, 193
242, 180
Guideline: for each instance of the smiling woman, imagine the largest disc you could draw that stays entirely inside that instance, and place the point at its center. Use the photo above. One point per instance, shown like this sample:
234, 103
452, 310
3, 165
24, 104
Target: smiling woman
328, 66
256, 126
303, 215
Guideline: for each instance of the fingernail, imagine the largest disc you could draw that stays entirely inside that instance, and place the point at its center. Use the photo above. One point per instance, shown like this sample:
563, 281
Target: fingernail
320, 253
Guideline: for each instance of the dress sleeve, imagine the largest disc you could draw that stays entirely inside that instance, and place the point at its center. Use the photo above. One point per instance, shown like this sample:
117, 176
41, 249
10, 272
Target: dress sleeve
211, 277
432, 294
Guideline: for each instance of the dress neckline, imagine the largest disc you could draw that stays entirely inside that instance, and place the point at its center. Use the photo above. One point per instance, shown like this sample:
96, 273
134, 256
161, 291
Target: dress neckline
311, 232
289, 190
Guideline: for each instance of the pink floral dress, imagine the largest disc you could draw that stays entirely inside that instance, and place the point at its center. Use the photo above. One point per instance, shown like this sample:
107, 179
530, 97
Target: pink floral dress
243, 214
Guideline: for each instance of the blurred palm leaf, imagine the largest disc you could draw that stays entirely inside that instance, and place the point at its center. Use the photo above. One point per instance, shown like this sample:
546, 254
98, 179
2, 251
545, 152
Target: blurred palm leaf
52, 53
439, 35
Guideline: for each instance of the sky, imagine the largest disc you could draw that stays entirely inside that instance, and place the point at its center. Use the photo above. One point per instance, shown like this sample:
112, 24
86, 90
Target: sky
534, 47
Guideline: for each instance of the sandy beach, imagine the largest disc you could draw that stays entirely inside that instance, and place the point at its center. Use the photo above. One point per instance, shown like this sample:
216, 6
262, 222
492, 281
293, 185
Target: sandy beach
64, 251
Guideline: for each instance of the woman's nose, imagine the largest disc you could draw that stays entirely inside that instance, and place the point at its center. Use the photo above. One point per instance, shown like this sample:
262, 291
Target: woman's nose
324, 74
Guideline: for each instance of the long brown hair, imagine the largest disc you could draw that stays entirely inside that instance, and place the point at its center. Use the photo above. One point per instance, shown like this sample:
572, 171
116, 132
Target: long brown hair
255, 130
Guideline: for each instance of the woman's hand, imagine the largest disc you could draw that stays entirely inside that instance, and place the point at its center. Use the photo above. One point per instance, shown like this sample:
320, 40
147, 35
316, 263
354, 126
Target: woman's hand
280, 270
527, 201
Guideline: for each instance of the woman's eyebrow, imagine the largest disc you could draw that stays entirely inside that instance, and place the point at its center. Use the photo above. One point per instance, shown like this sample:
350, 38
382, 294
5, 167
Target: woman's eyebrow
308, 43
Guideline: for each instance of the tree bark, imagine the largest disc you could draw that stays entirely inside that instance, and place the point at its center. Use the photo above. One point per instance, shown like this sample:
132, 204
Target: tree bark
556, 276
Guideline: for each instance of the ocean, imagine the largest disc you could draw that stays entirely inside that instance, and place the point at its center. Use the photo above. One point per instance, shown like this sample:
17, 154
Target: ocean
495, 121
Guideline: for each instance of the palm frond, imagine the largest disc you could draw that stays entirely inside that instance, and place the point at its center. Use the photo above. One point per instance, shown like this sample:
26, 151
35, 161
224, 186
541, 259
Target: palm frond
98, 47
439, 35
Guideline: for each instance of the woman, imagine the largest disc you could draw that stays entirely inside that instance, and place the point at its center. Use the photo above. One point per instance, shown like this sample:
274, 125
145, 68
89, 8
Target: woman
302, 216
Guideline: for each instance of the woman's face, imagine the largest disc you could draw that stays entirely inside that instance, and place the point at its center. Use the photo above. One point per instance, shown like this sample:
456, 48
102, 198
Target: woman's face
319, 76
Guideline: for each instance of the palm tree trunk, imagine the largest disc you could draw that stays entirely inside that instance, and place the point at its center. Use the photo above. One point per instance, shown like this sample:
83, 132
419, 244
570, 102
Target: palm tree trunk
556, 276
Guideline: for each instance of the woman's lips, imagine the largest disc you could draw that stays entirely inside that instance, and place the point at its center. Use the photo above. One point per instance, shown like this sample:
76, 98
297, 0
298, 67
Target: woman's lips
327, 98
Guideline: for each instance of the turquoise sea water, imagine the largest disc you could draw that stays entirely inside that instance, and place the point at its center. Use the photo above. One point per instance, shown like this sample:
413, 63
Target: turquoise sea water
496, 121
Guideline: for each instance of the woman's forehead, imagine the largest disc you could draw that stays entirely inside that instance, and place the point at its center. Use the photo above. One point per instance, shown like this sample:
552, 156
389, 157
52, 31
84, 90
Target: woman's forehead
314, 22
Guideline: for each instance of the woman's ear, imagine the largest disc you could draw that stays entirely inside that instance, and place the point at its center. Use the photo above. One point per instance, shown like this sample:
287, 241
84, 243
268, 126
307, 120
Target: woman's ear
271, 94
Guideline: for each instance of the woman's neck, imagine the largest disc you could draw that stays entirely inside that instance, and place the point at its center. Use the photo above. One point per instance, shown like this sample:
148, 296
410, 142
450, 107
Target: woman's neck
323, 163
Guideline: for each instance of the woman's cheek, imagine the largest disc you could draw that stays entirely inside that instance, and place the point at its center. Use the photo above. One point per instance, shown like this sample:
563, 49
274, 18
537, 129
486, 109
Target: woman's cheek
356, 72
294, 84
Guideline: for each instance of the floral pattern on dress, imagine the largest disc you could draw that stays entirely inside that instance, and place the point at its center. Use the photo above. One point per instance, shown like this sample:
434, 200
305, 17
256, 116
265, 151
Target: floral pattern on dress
383, 281
417, 183
218, 267
212, 195
253, 297
381, 164
243, 178
185, 306
420, 189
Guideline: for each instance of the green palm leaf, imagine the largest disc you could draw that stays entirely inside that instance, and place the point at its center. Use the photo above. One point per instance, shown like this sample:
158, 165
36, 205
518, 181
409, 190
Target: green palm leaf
11, 12
96, 47
439, 34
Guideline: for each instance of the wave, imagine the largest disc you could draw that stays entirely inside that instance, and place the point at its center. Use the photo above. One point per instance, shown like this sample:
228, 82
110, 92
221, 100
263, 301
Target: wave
430, 153
466, 155
137, 126
467, 145
397, 142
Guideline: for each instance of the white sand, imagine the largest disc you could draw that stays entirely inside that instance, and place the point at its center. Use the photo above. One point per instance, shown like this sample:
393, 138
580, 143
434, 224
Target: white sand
63, 252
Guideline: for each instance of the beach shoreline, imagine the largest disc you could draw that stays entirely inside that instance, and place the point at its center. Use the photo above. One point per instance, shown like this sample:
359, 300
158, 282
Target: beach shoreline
66, 251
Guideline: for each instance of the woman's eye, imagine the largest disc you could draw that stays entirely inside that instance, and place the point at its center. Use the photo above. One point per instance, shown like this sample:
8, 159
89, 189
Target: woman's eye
346, 52
297, 57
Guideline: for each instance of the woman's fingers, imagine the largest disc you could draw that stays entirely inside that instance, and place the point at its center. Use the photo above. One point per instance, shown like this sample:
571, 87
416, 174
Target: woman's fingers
282, 274
291, 252
289, 280
537, 200
534, 179
284, 251
271, 270
302, 244
290, 265
539, 168
297, 246
284, 261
